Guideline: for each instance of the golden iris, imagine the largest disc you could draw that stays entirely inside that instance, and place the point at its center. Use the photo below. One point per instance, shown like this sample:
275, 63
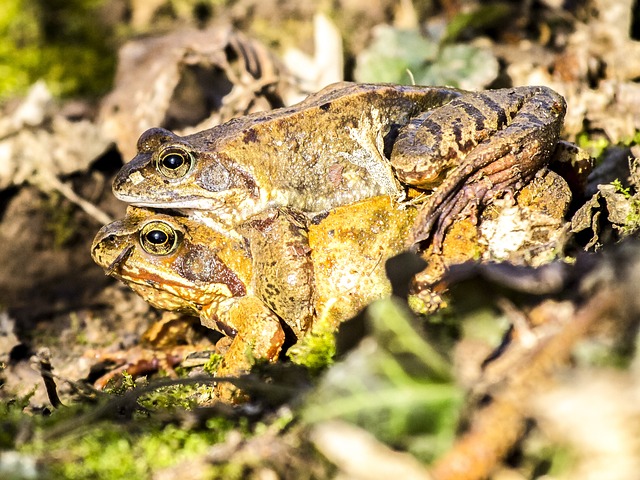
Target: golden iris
174, 162
158, 238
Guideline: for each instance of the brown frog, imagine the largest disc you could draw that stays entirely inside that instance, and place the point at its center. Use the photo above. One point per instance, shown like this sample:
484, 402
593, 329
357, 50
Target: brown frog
241, 286
349, 142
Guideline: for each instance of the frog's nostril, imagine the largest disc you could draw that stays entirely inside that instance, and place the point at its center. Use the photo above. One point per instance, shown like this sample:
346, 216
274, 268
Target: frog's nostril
118, 181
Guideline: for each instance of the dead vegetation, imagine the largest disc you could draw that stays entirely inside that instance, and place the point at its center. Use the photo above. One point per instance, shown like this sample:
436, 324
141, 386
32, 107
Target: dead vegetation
528, 373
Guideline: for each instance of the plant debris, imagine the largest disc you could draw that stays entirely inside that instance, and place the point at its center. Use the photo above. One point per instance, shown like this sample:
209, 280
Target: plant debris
522, 365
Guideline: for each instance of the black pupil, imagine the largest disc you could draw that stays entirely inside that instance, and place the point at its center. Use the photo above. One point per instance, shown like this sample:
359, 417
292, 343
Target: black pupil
157, 237
173, 161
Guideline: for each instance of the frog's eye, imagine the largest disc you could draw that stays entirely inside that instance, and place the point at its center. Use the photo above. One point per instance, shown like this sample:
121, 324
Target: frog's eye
158, 238
174, 162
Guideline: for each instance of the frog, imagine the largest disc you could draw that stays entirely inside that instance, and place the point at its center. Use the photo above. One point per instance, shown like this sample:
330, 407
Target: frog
278, 277
352, 141
196, 271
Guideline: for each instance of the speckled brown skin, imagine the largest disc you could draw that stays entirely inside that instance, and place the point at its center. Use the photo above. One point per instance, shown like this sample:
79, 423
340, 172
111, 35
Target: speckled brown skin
282, 266
475, 149
280, 270
326, 151
353, 141
205, 274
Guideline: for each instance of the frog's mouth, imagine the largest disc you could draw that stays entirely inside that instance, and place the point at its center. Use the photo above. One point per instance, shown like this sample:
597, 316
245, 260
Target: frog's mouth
183, 202
195, 203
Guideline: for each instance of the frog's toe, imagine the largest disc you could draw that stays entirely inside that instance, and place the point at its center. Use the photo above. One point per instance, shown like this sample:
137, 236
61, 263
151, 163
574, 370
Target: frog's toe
422, 227
435, 218
461, 207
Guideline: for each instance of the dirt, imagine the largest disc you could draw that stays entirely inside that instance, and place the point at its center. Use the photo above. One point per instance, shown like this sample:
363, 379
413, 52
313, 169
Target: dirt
198, 66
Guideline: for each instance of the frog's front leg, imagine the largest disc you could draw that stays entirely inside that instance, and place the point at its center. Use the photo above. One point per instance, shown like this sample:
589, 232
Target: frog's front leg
257, 335
475, 149
282, 266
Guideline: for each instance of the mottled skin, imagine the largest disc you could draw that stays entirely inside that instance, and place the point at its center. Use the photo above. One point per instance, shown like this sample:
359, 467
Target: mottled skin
323, 152
485, 144
200, 272
349, 142
280, 273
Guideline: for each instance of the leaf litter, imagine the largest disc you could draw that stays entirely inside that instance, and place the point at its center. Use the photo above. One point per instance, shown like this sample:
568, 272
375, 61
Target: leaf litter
521, 357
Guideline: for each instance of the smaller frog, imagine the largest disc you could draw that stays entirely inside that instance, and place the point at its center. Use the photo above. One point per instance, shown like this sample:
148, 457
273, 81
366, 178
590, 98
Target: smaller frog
280, 276
180, 265
350, 142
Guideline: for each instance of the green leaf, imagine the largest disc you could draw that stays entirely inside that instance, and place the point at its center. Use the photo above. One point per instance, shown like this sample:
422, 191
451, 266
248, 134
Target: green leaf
394, 385
392, 53
462, 66
484, 17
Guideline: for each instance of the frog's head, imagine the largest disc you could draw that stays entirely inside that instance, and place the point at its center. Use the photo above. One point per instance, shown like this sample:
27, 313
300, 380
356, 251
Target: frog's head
189, 172
172, 262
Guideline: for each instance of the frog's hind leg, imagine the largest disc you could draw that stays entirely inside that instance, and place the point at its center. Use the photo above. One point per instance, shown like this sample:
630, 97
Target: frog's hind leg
462, 194
468, 202
501, 164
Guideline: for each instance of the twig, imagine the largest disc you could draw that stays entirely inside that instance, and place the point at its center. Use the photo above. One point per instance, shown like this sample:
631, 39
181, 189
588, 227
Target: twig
88, 207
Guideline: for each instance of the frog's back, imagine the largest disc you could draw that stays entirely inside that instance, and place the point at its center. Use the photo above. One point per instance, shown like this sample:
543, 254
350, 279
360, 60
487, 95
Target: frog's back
342, 99
326, 150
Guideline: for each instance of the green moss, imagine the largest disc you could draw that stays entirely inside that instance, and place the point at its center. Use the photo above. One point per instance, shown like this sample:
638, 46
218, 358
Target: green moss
316, 350
104, 441
211, 366
168, 398
84, 440
177, 397
11, 419
632, 222
626, 191
125, 384
63, 42
112, 451
595, 146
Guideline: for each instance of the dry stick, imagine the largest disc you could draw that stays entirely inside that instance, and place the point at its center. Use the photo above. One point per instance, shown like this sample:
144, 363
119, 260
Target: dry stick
46, 372
499, 426
67, 192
